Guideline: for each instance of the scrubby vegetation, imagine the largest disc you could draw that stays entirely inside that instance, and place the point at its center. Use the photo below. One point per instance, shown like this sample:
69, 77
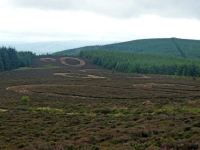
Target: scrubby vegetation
143, 63
120, 111
25, 99
67, 103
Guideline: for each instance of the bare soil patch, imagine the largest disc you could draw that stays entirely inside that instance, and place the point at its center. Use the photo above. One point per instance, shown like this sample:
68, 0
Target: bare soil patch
150, 85
74, 62
85, 76
90, 70
25, 88
62, 74
48, 59
94, 77
140, 77
3, 110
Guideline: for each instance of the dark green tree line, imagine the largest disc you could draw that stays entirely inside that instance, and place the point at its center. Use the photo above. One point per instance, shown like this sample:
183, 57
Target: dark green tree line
11, 59
25, 58
143, 63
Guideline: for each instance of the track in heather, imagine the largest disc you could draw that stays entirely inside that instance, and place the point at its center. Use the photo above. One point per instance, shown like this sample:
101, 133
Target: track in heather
29, 89
81, 91
80, 63
68, 61
129, 111
48, 59
84, 76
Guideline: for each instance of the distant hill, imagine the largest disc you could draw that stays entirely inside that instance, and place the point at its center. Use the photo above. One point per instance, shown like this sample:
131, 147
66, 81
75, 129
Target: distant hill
51, 46
167, 46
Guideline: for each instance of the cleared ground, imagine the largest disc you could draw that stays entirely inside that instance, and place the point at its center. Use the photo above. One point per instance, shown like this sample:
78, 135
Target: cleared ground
88, 107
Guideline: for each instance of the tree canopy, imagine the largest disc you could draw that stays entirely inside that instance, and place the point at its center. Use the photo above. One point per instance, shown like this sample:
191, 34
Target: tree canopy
11, 59
175, 47
143, 63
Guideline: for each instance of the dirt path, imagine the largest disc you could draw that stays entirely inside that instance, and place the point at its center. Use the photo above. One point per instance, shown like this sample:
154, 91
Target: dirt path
151, 85
26, 88
63, 74
47, 59
63, 61
90, 70
83, 76
141, 77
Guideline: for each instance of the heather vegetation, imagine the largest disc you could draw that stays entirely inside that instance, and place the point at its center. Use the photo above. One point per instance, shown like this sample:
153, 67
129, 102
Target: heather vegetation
88, 107
104, 99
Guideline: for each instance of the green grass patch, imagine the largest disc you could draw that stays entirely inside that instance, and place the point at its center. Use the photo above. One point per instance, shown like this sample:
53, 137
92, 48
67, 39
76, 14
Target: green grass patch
171, 109
192, 110
24, 68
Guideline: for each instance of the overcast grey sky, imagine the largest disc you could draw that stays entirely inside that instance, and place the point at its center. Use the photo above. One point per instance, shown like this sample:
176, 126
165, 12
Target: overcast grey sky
114, 20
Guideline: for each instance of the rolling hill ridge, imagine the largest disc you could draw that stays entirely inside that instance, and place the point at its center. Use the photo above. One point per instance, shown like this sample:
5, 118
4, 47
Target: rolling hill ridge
175, 47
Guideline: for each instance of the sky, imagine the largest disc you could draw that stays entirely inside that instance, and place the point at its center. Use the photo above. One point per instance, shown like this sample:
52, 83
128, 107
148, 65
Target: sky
101, 20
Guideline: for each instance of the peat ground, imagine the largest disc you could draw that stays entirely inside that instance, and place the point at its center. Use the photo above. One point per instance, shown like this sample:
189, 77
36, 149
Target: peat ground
83, 106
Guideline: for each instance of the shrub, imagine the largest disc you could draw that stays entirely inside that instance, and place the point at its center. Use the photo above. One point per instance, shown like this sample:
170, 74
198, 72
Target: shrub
25, 99
21, 145
57, 102
108, 79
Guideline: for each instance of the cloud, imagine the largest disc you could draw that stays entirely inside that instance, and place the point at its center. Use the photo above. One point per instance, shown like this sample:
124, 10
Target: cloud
118, 8
116, 20
47, 4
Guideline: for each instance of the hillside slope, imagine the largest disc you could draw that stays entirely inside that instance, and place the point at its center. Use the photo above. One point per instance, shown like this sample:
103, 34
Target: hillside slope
166, 46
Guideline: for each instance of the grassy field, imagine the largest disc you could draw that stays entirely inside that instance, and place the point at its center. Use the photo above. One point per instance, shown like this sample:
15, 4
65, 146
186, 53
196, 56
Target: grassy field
72, 105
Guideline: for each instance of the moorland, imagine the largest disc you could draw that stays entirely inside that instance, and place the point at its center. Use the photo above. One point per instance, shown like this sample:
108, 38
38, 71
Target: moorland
66, 103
